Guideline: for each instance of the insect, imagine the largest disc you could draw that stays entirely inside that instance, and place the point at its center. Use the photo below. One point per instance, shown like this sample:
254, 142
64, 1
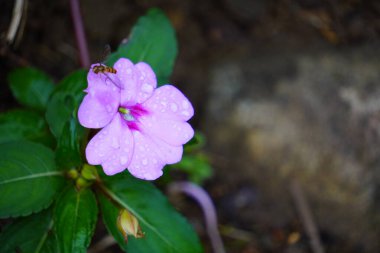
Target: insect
103, 69
108, 72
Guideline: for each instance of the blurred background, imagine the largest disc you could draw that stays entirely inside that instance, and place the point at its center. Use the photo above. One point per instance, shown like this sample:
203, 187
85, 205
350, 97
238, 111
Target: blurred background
286, 92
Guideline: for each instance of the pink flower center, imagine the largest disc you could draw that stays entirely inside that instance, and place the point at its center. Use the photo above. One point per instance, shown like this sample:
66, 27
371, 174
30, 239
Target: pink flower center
131, 115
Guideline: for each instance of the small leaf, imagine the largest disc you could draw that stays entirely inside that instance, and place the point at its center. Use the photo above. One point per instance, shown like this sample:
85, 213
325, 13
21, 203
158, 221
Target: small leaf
153, 41
64, 101
196, 166
24, 125
29, 234
68, 154
31, 87
29, 178
165, 230
75, 217
196, 143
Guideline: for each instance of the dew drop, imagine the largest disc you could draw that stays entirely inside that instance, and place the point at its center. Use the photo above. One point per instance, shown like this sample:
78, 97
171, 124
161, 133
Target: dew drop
123, 160
185, 113
147, 88
173, 107
185, 104
144, 162
109, 108
115, 143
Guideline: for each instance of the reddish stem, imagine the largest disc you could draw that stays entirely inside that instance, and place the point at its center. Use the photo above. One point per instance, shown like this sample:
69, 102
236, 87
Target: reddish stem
79, 33
204, 200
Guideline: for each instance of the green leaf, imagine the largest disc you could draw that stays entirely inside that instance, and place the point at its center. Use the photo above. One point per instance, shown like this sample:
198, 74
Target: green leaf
65, 100
196, 166
31, 87
30, 234
24, 125
196, 143
68, 154
153, 41
165, 229
29, 178
75, 217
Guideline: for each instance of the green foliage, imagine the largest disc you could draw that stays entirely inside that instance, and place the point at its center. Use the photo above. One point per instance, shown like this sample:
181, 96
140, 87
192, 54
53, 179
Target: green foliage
31, 87
64, 101
196, 166
29, 178
75, 217
165, 229
68, 154
153, 41
32, 175
22, 124
196, 143
194, 162
29, 234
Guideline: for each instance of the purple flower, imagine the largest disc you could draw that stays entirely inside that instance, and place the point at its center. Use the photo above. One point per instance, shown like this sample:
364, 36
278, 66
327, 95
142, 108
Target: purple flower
144, 128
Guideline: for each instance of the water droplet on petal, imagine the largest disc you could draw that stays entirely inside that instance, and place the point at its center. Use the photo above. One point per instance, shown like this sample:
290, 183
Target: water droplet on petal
123, 160
146, 88
185, 104
145, 161
174, 107
115, 143
185, 113
109, 108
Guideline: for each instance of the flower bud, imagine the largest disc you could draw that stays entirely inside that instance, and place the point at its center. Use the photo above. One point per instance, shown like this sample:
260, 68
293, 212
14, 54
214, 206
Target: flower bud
89, 172
128, 224
73, 174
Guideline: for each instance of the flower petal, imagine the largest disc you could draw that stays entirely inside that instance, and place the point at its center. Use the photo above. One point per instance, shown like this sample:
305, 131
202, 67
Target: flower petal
127, 76
112, 147
147, 82
169, 103
168, 153
146, 162
173, 132
101, 78
138, 81
98, 106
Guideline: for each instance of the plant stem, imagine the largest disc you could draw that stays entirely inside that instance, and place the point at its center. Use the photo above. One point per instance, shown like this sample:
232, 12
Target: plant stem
79, 33
204, 200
